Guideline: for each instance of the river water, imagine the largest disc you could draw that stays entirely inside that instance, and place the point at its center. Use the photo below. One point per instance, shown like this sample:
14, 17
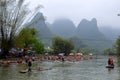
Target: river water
93, 69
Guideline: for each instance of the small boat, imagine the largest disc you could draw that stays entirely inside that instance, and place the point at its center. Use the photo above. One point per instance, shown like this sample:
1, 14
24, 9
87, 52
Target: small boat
23, 71
110, 66
42, 69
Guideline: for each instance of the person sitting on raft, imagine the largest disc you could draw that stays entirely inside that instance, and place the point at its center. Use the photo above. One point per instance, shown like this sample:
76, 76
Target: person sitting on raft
110, 61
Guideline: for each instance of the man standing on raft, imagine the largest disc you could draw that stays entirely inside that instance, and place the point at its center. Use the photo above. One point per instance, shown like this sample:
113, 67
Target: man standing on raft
29, 65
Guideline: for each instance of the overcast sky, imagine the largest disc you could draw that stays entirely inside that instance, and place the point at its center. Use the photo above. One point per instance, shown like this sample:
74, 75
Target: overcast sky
105, 11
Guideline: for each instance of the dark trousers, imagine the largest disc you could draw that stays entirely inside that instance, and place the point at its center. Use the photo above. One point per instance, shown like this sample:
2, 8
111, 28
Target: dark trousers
29, 69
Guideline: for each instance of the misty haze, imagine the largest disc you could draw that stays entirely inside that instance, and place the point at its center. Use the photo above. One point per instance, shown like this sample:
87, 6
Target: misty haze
60, 39
69, 19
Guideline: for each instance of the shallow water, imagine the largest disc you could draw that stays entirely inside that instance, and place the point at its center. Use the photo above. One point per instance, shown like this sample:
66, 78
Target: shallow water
93, 69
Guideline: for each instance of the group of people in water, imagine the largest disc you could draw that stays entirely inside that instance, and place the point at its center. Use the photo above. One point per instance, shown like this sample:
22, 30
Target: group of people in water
28, 60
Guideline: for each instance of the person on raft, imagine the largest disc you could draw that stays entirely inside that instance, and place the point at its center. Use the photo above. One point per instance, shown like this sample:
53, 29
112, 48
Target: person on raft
29, 65
110, 61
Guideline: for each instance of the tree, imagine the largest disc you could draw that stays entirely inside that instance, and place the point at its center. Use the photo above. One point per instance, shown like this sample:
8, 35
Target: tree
28, 38
84, 50
108, 51
39, 47
118, 46
13, 15
77, 41
62, 46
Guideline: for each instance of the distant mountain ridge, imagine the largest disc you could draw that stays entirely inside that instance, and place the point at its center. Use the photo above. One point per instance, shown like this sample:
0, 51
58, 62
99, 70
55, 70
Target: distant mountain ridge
111, 33
86, 32
44, 32
89, 32
63, 27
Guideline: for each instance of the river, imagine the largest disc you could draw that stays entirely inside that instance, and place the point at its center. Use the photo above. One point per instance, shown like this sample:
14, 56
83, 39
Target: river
93, 69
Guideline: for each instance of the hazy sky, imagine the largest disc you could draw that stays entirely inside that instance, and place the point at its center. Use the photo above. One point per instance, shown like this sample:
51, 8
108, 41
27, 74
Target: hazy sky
105, 11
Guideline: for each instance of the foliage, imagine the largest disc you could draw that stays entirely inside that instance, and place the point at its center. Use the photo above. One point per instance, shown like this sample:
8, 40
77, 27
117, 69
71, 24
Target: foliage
13, 15
78, 43
110, 51
48, 50
27, 38
73, 51
84, 51
62, 46
39, 47
118, 46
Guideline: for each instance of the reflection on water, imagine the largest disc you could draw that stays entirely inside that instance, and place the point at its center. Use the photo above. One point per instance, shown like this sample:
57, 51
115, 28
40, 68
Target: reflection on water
118, 62
110, 70
82, 70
